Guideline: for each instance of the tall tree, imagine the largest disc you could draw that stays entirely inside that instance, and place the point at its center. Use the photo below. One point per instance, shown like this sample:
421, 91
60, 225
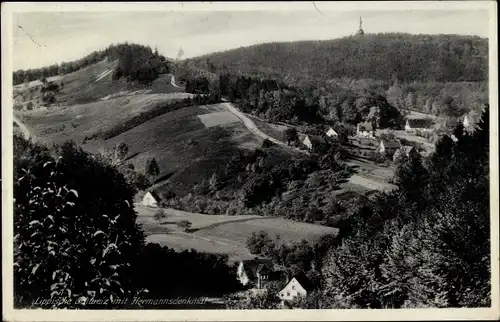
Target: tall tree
152, 168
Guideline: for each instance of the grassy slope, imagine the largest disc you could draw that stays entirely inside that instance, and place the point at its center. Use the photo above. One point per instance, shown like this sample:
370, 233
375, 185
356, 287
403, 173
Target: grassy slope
74, 122
185, 148
222, 234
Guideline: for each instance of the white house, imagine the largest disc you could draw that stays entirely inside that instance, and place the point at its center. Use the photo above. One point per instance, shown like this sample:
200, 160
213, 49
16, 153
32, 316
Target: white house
150, 199
365, 130
299, 285
313, 142
307, 142
257, 272
466, 122
388, 146
331, 133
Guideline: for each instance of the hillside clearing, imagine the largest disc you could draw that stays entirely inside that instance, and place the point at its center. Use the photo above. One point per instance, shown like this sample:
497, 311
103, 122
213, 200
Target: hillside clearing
78, 121
222, 234
186, 150
218, 118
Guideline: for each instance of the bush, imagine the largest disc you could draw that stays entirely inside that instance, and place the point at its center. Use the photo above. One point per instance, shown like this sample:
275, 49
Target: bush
258, 243
73, 238
185, 224
267, 143
160, 215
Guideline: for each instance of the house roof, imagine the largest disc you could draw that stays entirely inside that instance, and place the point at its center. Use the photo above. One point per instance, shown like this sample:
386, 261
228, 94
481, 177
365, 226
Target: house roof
420, 123
331, 131
154, 194
257, 265
393, 144
304, 281
314, 139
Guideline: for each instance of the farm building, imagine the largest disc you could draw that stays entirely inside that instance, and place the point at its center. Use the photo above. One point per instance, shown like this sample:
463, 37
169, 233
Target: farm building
331, 133
388, 147
313, 142
299, 285
365, 130
151, 199
406, 150
418, 124
258, 272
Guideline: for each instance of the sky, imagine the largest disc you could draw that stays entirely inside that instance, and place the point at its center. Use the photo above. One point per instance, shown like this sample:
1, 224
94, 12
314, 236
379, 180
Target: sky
44, 38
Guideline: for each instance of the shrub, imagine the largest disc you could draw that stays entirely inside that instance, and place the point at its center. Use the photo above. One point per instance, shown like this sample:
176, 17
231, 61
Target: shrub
185, 224
73, 238
160, 215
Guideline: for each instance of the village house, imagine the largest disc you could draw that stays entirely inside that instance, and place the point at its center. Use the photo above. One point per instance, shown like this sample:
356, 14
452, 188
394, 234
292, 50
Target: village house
151, 199
388, 147
298, 286
365, 130
258, 272
469, 121
406, 150
331, 133
418, 124
314, 143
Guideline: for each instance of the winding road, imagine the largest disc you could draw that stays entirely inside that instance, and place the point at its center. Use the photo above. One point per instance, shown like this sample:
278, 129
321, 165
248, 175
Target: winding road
250, 125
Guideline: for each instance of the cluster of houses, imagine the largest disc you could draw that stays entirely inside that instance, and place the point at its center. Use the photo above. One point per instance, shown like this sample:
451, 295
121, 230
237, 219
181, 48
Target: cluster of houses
257, 273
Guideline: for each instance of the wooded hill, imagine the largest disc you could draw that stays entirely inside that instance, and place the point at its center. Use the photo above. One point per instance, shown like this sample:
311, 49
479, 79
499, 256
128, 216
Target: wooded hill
137, 61
386, 57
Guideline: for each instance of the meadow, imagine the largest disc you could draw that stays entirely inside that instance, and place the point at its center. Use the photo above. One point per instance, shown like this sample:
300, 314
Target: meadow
222, 234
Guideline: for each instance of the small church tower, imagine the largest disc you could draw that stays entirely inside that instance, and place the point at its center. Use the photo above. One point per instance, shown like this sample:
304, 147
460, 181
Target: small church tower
360, 31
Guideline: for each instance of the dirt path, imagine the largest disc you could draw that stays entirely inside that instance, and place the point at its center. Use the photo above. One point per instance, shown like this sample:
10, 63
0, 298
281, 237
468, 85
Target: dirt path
104, 74
172, 81
250, 125
211, 226
23, 128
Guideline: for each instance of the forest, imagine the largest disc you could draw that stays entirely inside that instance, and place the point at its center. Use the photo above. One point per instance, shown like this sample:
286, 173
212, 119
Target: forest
383, 57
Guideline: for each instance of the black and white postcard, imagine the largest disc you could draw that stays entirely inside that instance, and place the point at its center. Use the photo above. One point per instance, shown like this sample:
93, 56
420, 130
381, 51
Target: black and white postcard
301, 160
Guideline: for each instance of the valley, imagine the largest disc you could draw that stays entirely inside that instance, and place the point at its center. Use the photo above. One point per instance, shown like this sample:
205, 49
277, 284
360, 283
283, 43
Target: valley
341, 173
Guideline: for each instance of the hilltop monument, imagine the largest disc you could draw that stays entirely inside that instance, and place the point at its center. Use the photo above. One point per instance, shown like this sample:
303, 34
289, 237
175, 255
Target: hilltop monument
360, 30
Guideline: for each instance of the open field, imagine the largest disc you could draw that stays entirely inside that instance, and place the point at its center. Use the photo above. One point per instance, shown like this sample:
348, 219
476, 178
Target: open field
218, 118
222, 234
92, 84
75, 122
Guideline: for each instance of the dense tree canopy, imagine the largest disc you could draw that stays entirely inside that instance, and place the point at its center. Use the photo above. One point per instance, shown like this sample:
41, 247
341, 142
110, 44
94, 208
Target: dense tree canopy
442, 58
426, 244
